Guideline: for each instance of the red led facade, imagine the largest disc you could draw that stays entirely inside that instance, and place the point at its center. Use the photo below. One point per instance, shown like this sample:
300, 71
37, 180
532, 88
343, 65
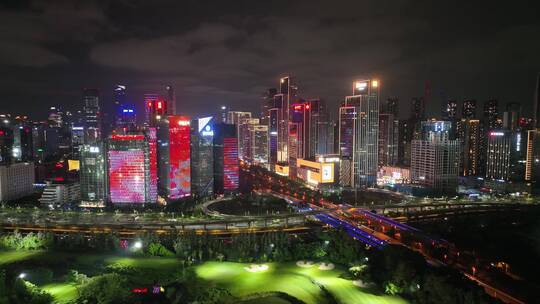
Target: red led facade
126, 176
179, 157
231, 167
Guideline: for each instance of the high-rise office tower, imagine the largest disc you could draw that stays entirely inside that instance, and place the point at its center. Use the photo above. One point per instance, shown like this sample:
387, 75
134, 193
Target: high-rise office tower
174, 153
273, 130
390, 106
491, 114
244, 138
532, 163
132, 168
468, 111
286, 96
450, 112
388, 139
258, 144
93, 177
405, 136
22, 139
171, 100
226, 163
359, 135
347, 130
239, 119
435, 158
299, 135
471, 158
267, 103
202, 156
155, 109
506, 152
418, 109
511, 116
6, 142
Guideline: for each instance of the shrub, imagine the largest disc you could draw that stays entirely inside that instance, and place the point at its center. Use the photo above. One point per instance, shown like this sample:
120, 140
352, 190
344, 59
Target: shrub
156, 249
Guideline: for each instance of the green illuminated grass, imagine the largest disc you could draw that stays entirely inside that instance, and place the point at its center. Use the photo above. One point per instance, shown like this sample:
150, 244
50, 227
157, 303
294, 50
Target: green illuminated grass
145, 263
62, 292
7, 257
301, 283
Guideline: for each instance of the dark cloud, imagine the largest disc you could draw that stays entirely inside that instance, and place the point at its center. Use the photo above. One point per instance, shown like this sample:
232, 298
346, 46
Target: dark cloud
223, 52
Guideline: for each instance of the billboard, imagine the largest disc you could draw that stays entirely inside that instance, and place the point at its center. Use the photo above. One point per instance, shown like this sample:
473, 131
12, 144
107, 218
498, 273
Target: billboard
179, 159
126, 176
231, 167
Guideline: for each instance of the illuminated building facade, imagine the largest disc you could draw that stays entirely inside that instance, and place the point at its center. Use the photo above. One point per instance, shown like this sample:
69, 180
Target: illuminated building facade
259, 144
155, 108
347, 127
471, 158
273, 130
174, 166
359, 135
202, 156
132, 169
435, 158
506, 155
244, 138
226, 163
93, 177
126, 118
388, 139
318, 173
468, 111
287, 95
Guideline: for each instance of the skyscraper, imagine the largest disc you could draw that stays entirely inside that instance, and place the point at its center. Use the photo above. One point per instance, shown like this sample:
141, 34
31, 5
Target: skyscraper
359, 131
174, 157
418, 109
435, 158
202, 156
93, 177
226, 164
155, 109
132, 179
267, 103
511, 116
282, 101
388, 139
451, 110
471, 157
391, 106
491, 115
468, 111
171, 100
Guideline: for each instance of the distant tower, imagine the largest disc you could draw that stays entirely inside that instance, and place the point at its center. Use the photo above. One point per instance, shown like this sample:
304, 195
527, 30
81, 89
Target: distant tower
171, 100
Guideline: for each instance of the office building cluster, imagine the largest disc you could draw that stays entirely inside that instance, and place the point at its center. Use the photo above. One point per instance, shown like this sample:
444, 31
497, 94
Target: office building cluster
122, 158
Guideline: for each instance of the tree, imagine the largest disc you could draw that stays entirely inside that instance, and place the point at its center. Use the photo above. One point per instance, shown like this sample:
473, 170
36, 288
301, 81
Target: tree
107, 288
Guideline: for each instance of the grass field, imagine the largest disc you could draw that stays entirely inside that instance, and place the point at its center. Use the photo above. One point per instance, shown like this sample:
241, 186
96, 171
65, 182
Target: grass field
304, 284
301, 283
62, 292
7, 257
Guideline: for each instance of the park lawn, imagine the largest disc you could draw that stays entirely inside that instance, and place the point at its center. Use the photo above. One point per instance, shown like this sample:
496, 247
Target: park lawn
298, 282
11, 256
62, 292
156, 263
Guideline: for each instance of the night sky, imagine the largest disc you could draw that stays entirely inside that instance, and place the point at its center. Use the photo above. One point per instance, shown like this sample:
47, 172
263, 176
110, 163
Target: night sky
230, 52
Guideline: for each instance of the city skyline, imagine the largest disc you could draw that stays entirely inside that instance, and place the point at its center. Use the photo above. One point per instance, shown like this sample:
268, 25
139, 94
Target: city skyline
145, 47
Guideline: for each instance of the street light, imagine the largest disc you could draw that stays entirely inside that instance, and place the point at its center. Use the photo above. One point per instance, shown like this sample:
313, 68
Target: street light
22, 275
137, 245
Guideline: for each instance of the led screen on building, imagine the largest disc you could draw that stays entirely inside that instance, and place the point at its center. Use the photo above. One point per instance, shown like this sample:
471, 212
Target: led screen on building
126, 176
230, 164
180, 167
152, 143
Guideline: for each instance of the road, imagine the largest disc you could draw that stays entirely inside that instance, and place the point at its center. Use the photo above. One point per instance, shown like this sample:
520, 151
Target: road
349, 217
